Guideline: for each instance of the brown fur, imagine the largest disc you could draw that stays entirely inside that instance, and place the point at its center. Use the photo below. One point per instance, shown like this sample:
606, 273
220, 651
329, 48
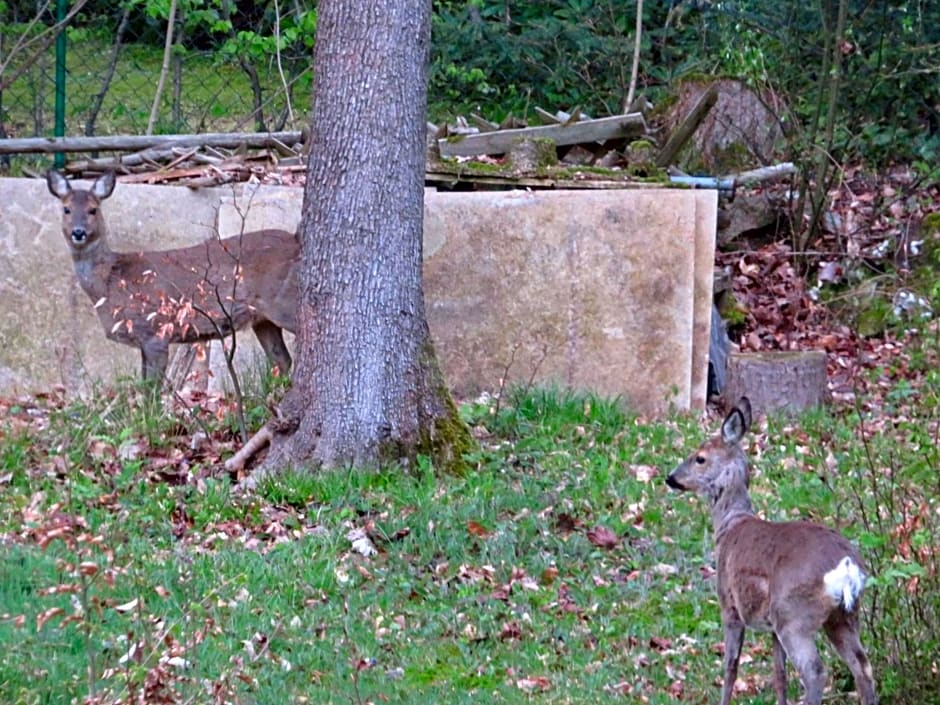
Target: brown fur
771, 576
187, 295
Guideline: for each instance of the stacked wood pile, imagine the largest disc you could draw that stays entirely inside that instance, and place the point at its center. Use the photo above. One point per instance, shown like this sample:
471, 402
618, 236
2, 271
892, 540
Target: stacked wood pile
194, 160
568, 150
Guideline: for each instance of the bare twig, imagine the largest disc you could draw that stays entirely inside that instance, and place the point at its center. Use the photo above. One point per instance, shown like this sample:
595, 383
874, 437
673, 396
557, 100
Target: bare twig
249, 69
636, 56
504, 377
164, 69
109, 72
277, 52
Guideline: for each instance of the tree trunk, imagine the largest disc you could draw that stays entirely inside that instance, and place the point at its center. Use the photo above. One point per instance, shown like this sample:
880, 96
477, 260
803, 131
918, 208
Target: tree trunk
367, 388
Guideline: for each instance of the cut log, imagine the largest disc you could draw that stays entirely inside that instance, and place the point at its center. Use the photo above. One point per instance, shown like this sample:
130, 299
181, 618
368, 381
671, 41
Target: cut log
500, 142
786, 382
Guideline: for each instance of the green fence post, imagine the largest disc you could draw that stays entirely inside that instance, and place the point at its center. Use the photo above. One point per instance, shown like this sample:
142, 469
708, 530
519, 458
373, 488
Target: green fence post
59, 129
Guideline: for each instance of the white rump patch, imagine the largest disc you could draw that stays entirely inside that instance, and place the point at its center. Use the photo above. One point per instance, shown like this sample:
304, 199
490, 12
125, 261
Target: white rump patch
845, 583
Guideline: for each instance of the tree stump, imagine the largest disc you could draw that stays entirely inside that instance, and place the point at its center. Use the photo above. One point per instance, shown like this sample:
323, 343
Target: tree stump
778, 381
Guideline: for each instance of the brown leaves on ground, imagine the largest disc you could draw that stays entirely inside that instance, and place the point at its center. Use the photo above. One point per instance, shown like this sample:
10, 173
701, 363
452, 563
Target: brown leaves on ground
602, 537
869, 230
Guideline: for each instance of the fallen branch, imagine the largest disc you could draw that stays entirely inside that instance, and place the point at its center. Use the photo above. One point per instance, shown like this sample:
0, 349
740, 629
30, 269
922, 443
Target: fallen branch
53, 145
764, 174
254, 445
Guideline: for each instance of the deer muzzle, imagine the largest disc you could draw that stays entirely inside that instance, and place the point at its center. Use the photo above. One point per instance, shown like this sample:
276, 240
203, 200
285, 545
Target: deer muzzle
673, 482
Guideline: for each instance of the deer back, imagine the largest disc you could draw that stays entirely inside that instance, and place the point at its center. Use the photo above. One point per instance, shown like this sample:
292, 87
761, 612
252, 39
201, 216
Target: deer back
772, 573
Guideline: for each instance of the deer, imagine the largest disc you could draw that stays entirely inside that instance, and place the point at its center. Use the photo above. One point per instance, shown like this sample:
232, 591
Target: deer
149, 300
791, 578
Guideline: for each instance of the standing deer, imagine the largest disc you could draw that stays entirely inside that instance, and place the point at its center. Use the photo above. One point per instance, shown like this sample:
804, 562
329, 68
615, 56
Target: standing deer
791, 578
187, 295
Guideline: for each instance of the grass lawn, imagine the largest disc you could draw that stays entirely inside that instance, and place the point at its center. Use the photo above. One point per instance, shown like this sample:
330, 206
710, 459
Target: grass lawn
561, 571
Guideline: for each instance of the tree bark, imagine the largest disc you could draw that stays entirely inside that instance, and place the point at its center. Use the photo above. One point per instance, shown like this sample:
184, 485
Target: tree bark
367, 388
778, 381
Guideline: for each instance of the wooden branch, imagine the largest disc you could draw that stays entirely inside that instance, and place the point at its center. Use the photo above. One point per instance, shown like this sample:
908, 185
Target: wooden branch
482, 123
547, 116
637, 43
683, 133
52, 145
618, 126
765, 174
164, 68
249, 450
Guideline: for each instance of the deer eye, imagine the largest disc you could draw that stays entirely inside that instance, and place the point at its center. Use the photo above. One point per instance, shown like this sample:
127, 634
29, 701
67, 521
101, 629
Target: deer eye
700, 459
67, 210
92, 211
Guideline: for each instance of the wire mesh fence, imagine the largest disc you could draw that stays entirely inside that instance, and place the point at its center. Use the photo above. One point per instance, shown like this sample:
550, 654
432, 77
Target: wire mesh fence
153, 66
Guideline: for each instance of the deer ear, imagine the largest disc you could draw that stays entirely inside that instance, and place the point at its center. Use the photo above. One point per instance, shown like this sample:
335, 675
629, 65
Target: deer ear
103, 185
58, 185
735, 424
744, 406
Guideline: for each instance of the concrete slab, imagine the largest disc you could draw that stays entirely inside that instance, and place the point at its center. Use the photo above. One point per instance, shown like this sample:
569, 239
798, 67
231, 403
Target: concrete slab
589, 290
602, 290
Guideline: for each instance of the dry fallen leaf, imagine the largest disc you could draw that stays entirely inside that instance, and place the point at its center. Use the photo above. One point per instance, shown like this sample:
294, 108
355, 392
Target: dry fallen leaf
536, 684
46, 615
127, 606
602, 537
361, 543
475, 528
644, 473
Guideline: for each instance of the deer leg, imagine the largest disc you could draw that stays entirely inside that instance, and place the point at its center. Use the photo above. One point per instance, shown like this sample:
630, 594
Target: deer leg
272, 340
800, 647
734, 638
154, 354
844, 637
780, 671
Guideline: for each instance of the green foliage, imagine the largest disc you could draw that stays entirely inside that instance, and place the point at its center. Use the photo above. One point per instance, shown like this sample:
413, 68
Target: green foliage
296, 35
500, 58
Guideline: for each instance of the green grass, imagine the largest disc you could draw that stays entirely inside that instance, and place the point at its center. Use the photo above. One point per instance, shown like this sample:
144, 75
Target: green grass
115, 582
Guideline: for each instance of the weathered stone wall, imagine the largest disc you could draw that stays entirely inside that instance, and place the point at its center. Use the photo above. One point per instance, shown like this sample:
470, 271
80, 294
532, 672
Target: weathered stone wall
602, 290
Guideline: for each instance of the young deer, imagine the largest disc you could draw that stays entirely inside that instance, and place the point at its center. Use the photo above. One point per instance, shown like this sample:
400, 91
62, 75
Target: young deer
791, 578
151, 299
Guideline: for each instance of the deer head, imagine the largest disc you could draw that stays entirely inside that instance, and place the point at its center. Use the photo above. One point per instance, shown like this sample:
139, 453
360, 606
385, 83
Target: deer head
82, 223
719, 463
